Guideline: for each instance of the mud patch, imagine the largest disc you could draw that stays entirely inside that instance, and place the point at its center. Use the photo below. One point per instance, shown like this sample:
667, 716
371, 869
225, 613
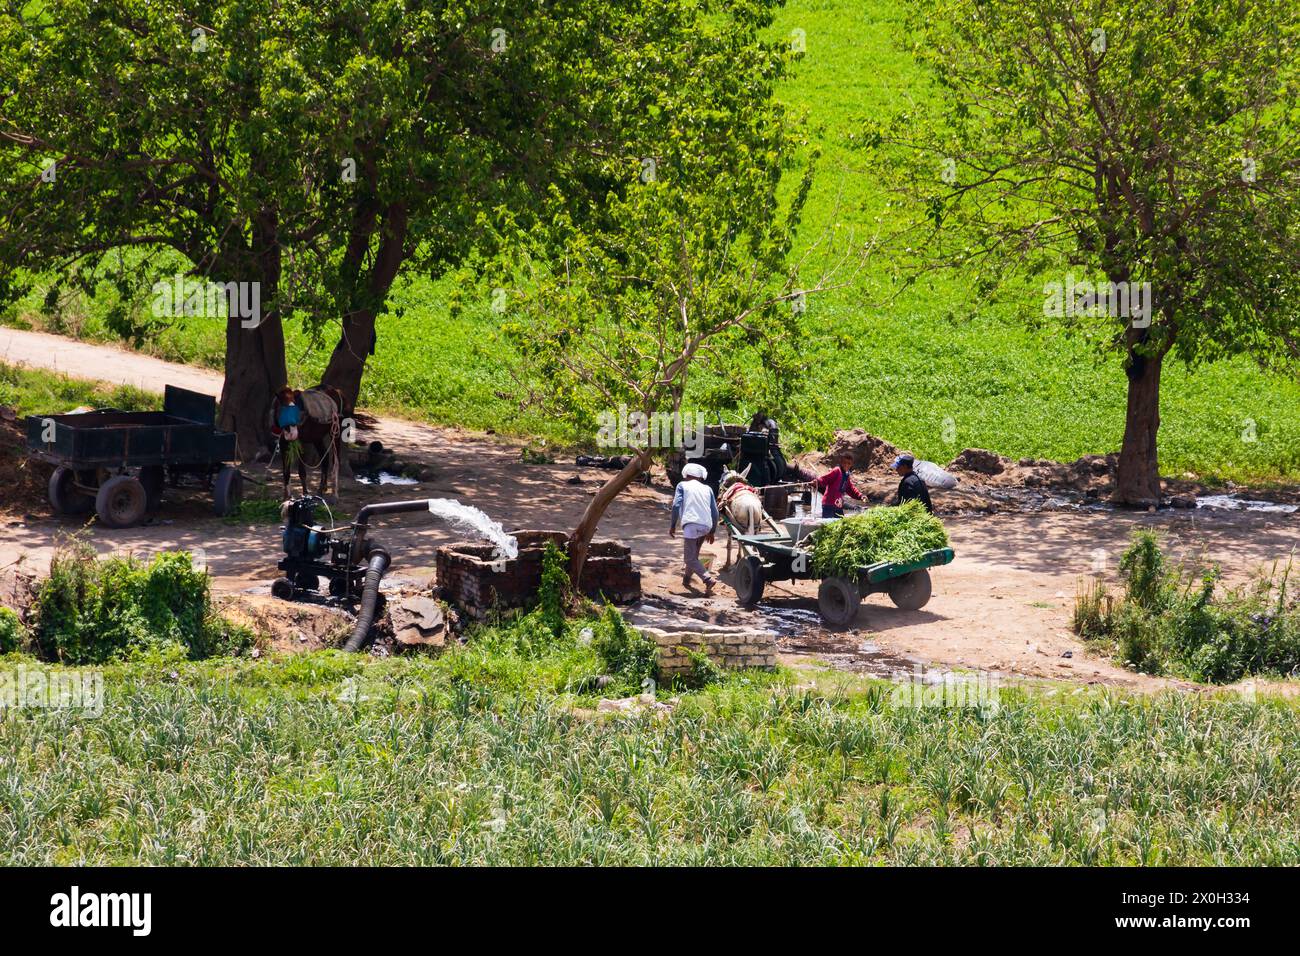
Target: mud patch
288, 626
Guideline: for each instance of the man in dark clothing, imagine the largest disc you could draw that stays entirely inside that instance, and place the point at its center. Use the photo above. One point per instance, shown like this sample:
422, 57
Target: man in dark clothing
912, 486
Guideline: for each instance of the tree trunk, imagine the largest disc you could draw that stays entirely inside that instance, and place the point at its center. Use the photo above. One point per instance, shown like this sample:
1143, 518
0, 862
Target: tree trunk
255, 370
580, 540
1137, 482
255, 364
357, 337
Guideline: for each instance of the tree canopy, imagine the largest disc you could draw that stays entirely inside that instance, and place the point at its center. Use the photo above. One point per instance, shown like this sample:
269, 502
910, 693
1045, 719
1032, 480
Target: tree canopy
1150, 146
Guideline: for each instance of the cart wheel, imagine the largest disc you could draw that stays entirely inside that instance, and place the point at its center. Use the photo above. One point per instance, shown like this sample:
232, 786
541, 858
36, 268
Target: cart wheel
153, 477
911, 592
282, 588
65, 498
306, 581
749, 579
838, 600
121, 502
227, 491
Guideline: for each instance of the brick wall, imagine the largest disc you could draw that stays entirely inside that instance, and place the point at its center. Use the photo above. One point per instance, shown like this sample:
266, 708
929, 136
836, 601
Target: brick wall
475, 582
733, 649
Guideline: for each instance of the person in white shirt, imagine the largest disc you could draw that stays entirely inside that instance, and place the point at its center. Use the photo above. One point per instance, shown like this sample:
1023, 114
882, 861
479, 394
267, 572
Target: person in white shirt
697, 510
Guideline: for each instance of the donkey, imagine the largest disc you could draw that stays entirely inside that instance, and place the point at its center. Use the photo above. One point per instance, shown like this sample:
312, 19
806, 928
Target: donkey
740, 502
312, 418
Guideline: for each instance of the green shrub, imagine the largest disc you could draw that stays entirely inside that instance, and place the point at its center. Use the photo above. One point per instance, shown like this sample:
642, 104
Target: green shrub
1147, 576
1173, 622
554, 591
91, 610
881, 534
629, 656
12, 633
703, 672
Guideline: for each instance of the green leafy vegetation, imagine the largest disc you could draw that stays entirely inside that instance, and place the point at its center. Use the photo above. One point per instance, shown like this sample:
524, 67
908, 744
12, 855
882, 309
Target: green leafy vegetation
34, 392
259, 510
91, 610
12, 633
481, 756
943, 350
628, 655
1184, 623
903, 533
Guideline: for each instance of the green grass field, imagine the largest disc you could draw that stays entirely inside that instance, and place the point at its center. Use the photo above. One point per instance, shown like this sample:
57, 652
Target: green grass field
485, 757
938, 370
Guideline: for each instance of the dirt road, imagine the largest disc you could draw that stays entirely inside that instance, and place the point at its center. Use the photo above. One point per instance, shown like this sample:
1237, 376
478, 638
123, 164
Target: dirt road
1003, 605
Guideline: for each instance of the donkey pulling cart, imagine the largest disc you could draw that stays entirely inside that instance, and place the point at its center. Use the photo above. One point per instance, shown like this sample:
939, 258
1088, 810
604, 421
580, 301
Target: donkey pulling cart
777, 556
117, 462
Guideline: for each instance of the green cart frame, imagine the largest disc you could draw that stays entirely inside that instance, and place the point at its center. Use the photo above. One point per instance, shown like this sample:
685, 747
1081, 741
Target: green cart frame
773, 556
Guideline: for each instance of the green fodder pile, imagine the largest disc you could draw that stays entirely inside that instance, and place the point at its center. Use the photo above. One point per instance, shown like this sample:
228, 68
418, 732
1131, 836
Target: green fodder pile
881, 534
91, 610
1181, 622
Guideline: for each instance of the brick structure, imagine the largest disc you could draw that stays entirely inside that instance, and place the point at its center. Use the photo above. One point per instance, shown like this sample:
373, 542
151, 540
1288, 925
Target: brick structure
474, 581
733, 649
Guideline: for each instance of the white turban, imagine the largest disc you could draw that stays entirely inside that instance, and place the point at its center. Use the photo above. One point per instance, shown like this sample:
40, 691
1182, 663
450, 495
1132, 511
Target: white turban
695, 471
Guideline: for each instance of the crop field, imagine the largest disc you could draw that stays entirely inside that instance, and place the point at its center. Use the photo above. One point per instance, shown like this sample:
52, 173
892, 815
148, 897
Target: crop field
485, 756
937, 369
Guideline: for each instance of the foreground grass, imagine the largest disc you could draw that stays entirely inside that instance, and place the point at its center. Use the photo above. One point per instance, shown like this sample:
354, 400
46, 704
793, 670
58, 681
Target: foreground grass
938, 370
485, 757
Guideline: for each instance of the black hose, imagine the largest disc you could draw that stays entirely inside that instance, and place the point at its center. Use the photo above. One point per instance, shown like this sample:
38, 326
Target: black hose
377, 564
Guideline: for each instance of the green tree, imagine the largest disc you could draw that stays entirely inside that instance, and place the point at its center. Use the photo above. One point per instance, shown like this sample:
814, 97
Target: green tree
689, 288
1151, 145
315, 150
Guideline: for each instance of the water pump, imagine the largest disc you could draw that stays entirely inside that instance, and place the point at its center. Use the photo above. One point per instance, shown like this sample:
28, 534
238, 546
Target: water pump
344, 556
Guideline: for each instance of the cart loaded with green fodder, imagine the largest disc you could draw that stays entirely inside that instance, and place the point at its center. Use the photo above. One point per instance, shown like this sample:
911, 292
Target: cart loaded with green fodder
886, 550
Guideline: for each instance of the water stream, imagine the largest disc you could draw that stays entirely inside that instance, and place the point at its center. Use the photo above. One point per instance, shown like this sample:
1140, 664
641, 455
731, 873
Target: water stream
469, 518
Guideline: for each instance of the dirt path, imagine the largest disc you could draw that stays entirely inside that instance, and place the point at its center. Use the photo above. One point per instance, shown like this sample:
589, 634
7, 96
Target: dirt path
1003, 605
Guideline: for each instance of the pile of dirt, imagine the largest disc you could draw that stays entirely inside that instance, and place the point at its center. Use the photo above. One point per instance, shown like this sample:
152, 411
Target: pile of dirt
1092, 475
869, 453
22, 481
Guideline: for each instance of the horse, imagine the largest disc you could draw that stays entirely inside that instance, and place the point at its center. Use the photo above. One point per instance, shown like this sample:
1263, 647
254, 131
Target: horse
741, 502
310, 418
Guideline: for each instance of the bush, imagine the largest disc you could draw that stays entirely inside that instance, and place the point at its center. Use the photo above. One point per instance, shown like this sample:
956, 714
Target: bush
629, 656
1170, 621
92, 610
12, 633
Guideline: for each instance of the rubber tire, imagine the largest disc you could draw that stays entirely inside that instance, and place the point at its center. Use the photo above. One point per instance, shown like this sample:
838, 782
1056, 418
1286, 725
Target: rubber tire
121, 502
282, 588
749, 579
838, 600
154, 478
912, 591
227, 491
66, 499
306, 581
